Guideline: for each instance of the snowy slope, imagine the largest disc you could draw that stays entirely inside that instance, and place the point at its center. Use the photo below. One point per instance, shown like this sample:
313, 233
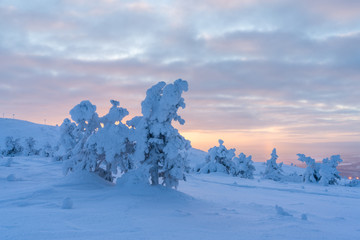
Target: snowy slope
196, 157
207, 206
23, 129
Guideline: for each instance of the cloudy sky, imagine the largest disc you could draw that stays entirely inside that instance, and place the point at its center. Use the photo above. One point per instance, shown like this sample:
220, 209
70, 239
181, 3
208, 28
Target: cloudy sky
261, 74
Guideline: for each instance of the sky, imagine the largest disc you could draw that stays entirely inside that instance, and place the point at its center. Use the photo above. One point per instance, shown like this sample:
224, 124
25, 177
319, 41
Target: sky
261, 74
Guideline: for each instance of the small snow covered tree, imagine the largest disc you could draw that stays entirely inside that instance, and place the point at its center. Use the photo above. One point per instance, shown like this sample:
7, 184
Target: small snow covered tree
69, 136
273, 170
159, 146
12, 147
311, 173
328, 172
243, 166
47, 150
29, 147
219, 159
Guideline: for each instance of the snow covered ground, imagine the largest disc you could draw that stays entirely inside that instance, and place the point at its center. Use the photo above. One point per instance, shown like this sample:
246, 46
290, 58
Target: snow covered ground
23, 129
38, 202
206, 206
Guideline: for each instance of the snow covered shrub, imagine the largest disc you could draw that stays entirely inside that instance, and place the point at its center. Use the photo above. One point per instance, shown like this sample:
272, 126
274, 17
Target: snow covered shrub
311, 173
273, 170
353, 183
159, 146
12, 147
328, 172
29, 147
243, 166
219, 159
47, 150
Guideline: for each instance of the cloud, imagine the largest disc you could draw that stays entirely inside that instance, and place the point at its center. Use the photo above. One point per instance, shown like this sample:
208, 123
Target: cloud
259, 73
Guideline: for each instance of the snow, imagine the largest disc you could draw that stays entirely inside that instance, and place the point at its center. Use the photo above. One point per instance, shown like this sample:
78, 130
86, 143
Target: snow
23, 129
40, 203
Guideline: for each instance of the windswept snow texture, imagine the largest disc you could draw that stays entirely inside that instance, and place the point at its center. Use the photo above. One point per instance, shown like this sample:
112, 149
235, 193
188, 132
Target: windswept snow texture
42, 134
38, 202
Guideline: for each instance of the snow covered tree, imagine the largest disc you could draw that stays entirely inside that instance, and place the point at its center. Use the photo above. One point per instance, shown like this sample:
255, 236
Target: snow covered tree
328, 172
98, 145
159, 146
324, 173
12, 147
219, 159
68, 139
243, 166
273, 170
29, 147
112, 142
83, 156
311, 173
47, 150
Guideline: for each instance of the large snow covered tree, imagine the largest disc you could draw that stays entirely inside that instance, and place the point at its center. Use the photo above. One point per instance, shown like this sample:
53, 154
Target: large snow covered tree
101, 144
112, 142
328, 172
273, 170
219, 159
311, 173
244, 167
159, 146
83, 156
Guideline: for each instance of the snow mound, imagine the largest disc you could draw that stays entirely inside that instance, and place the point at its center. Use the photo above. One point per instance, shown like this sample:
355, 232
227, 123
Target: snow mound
67, 203
196, 157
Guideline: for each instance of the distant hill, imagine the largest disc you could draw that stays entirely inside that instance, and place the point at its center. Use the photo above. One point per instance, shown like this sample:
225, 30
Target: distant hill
23, 129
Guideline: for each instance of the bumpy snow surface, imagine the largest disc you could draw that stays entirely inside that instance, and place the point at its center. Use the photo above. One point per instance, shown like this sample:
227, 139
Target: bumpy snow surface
38, 202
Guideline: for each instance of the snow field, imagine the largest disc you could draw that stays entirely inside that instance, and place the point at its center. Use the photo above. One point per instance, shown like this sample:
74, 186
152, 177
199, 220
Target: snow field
206, 206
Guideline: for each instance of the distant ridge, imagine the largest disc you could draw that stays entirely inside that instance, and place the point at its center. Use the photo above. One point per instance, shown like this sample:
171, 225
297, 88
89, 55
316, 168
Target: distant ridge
24, 129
